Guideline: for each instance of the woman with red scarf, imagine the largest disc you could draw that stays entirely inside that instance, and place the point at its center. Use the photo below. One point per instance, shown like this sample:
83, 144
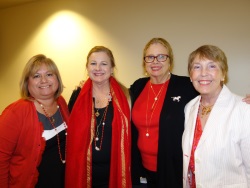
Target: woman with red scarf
98, 143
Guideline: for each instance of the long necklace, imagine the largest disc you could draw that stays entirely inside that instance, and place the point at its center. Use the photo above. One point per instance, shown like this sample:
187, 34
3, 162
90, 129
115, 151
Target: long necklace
57, 135
102, 122
152, 108
156, 96
205, 110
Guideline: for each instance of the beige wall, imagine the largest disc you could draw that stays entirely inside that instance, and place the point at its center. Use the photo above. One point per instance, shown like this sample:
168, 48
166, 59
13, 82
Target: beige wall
124, 27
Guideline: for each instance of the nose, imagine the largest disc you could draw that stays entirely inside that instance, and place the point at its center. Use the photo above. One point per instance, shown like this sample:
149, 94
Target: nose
97, 67
155, 60
204, 71
43, 78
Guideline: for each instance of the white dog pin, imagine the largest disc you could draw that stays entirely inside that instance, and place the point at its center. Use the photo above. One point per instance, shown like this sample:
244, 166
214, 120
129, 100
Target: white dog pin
176, 98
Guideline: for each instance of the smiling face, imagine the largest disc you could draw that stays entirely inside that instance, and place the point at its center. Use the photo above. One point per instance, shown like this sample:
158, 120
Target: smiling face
157, 70
207, 67
99, 67
206, 76
43, 84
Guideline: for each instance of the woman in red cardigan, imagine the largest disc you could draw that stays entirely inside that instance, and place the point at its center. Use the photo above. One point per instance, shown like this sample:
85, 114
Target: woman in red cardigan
33, 130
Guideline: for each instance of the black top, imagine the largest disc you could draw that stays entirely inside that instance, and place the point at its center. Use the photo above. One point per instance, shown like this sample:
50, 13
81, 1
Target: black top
51, 169
171, 127
101, 159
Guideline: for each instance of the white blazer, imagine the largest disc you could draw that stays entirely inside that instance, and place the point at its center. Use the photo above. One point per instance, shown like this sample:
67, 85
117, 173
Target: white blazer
222, 157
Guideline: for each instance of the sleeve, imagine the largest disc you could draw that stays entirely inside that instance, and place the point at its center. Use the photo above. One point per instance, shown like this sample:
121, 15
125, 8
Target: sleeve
73, 98
9, 133
245, 143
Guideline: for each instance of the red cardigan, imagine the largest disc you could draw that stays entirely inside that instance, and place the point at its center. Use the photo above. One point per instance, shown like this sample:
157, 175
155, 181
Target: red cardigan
21, 143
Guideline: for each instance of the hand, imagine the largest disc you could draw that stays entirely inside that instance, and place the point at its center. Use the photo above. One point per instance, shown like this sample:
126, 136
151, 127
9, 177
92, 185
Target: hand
247, 99
82, 82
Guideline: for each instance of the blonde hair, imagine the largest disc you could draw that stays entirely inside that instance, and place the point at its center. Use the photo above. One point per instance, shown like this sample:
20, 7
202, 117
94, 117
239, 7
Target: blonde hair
32, 67
102, 49
164, 43
210, 52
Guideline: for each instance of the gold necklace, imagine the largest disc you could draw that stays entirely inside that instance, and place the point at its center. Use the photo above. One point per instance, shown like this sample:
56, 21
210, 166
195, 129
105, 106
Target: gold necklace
205, 110
107, 99
156, 96
152, 109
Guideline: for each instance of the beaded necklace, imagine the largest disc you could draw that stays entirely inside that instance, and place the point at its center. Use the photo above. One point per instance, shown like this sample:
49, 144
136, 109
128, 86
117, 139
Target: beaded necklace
52, 122
102, 122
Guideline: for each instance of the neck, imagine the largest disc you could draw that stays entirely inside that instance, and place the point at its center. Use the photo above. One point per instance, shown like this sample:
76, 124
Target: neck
210, 99
101, 89
102, 96
48, 103
160, 79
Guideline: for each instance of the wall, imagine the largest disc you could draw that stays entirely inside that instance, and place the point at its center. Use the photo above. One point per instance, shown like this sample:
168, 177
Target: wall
124, 27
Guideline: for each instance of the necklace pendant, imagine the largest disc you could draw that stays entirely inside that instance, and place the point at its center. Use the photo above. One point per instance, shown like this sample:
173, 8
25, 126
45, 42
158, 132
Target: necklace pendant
52, 119
97, 114
97, 149
147, 134
96, 138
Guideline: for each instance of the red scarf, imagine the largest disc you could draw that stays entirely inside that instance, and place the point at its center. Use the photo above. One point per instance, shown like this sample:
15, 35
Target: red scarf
80, 137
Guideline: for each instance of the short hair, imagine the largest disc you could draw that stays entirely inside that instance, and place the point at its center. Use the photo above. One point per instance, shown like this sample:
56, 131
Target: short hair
166, 44
32, 67
102, 49
210, 52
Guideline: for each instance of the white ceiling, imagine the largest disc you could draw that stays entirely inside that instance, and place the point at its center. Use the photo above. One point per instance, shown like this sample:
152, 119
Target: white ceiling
10, 3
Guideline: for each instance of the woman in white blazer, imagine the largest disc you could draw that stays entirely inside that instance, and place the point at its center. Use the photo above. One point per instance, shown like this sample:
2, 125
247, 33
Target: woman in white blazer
216, 140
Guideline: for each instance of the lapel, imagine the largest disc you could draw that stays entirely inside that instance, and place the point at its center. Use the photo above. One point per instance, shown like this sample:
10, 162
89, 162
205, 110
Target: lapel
217, 115
192, 120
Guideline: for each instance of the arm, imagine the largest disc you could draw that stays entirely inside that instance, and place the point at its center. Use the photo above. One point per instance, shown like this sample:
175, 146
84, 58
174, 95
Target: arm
245, 151
245, 142
9, 133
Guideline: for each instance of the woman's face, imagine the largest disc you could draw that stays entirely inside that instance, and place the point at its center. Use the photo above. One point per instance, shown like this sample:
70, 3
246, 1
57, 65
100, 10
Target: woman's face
43, 84
206, 76
156, 68
99, 67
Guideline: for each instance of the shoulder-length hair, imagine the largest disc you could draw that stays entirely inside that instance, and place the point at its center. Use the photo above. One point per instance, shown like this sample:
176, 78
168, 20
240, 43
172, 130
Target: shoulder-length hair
31, 67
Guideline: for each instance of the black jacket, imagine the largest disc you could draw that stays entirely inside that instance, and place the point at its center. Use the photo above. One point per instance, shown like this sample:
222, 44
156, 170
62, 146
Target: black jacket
171, 127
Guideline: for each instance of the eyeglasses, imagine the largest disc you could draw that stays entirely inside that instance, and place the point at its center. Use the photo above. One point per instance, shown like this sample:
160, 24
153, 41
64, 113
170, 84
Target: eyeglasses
160, 58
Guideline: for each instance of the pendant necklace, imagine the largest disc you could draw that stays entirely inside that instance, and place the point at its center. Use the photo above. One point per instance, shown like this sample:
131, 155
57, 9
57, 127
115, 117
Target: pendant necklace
102, 122
52, 122
156, 96
109, 98
152, 108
